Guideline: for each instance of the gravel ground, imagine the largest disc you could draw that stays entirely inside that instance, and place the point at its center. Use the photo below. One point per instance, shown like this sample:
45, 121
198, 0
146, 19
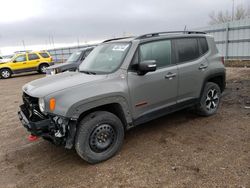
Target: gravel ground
178, 150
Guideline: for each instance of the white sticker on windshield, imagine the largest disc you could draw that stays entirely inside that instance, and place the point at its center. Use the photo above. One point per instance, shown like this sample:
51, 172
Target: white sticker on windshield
120, 47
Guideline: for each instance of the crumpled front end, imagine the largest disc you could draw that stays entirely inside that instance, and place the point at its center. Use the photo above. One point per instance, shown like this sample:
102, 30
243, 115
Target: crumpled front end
58, 130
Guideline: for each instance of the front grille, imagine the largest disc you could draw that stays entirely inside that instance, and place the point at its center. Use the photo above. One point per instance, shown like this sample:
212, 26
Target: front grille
32, 107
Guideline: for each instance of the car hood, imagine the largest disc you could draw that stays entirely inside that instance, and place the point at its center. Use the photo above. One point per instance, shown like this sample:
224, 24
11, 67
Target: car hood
62, 65
48, 85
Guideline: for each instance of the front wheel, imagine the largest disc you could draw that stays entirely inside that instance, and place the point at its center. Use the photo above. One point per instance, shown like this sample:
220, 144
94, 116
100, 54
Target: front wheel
99, 137
5, 73
210, 100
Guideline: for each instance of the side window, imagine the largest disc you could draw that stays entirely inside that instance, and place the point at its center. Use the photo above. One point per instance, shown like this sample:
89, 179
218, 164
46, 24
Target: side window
187, 49
21, 58
86, 54
33, 56
158, 50
203, 45
44, 54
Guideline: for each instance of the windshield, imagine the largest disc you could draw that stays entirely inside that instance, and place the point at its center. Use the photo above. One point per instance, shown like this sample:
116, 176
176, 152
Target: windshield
74, 57
105, 58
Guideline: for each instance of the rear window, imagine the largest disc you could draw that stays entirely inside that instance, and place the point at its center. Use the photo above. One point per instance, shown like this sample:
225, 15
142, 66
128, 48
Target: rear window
203, 45
188, 49
44, 55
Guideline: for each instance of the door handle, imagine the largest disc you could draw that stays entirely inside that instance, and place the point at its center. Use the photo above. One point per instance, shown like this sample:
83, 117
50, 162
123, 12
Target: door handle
202, 67
170, 75
24, 63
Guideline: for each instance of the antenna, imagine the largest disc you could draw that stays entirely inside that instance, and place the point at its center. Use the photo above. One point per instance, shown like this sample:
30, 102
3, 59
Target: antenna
23, 45
185, 28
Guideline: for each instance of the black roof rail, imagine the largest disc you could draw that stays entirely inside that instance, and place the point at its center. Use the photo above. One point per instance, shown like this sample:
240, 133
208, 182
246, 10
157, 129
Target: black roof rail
168, 32
116, 39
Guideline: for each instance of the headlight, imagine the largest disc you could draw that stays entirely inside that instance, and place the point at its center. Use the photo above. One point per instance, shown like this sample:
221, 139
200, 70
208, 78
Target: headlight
53, 71
41, 104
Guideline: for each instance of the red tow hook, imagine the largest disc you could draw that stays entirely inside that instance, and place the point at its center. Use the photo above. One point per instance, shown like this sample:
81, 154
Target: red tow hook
32, 138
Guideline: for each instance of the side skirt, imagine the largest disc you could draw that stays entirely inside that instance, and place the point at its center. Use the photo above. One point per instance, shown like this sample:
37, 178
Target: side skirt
164, 111
24, 70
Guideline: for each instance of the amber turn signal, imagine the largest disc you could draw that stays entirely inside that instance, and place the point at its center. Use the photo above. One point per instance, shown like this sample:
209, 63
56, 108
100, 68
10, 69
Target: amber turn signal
52, 104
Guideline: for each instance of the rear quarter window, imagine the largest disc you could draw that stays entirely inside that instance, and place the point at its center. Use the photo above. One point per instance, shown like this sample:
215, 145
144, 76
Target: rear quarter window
33, 56
44, 55
203, 45
187, 49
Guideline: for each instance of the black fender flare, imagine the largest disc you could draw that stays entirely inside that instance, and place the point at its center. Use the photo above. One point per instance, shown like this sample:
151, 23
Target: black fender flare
77, 109
210, 76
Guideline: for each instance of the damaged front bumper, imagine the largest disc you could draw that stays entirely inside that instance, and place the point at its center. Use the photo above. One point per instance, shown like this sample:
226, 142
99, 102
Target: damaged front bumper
59, 131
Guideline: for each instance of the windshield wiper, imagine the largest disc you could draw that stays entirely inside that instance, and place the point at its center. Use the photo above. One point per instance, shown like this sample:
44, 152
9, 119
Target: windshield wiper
89, 72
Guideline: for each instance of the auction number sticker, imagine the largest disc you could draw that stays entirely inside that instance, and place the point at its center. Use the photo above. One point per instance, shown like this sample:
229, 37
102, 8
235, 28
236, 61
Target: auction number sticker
120, 47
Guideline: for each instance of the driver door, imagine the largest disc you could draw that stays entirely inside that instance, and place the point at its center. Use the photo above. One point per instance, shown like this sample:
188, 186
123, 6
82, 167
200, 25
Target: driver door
153, 92
19, 63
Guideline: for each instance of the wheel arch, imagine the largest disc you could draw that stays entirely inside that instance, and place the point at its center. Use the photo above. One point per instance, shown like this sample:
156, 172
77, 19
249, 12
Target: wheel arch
218, 78
43, 63
6, 68
114, 108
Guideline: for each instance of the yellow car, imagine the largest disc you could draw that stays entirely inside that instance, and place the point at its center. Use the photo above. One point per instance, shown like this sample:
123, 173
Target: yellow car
26, 62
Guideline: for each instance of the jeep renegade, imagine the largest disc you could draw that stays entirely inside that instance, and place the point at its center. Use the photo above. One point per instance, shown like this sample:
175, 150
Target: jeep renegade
124, 82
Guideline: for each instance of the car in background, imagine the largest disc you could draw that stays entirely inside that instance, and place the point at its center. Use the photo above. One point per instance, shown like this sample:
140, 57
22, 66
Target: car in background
26, 62
5, 58
72, 63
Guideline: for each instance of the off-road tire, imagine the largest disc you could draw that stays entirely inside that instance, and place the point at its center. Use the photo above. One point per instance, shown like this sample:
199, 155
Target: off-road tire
86, 133
211, 96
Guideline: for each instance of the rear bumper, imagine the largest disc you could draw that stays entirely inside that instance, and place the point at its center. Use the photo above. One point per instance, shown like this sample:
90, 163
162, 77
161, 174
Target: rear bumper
35, 128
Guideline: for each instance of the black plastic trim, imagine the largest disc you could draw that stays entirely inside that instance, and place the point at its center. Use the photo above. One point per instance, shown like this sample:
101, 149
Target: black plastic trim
164, 111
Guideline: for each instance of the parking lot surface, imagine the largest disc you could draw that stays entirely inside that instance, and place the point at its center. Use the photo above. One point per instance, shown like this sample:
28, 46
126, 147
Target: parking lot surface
178, 150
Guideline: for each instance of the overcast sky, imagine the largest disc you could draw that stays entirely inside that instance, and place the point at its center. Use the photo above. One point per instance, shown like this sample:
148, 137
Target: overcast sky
36, 21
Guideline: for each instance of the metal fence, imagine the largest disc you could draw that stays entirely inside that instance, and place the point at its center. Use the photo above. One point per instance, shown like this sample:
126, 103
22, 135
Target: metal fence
61, 54
232, 39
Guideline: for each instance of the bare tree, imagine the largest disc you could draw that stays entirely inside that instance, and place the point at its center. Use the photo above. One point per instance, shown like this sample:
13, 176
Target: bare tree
241, 13
222, 17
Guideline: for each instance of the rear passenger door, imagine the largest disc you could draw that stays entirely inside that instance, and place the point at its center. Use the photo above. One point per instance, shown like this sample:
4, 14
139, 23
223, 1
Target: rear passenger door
192, 66
33, 60
151, 93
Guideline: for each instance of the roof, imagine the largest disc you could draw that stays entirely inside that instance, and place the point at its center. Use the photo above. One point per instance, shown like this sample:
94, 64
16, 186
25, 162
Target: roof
158, 34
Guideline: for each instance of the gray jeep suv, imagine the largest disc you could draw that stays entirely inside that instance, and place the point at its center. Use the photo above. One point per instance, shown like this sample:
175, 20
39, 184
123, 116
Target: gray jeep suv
124, 82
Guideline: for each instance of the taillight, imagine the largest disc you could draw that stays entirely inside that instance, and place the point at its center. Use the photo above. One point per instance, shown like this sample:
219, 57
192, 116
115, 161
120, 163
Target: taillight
222, 60
51, 59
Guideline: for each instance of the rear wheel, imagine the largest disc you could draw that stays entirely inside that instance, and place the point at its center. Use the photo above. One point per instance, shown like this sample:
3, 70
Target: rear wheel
42, 68
99, 137
5, 73
210, 100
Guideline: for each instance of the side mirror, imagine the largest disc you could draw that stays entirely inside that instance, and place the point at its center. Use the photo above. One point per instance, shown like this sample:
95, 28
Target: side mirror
147, 66
14, 61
